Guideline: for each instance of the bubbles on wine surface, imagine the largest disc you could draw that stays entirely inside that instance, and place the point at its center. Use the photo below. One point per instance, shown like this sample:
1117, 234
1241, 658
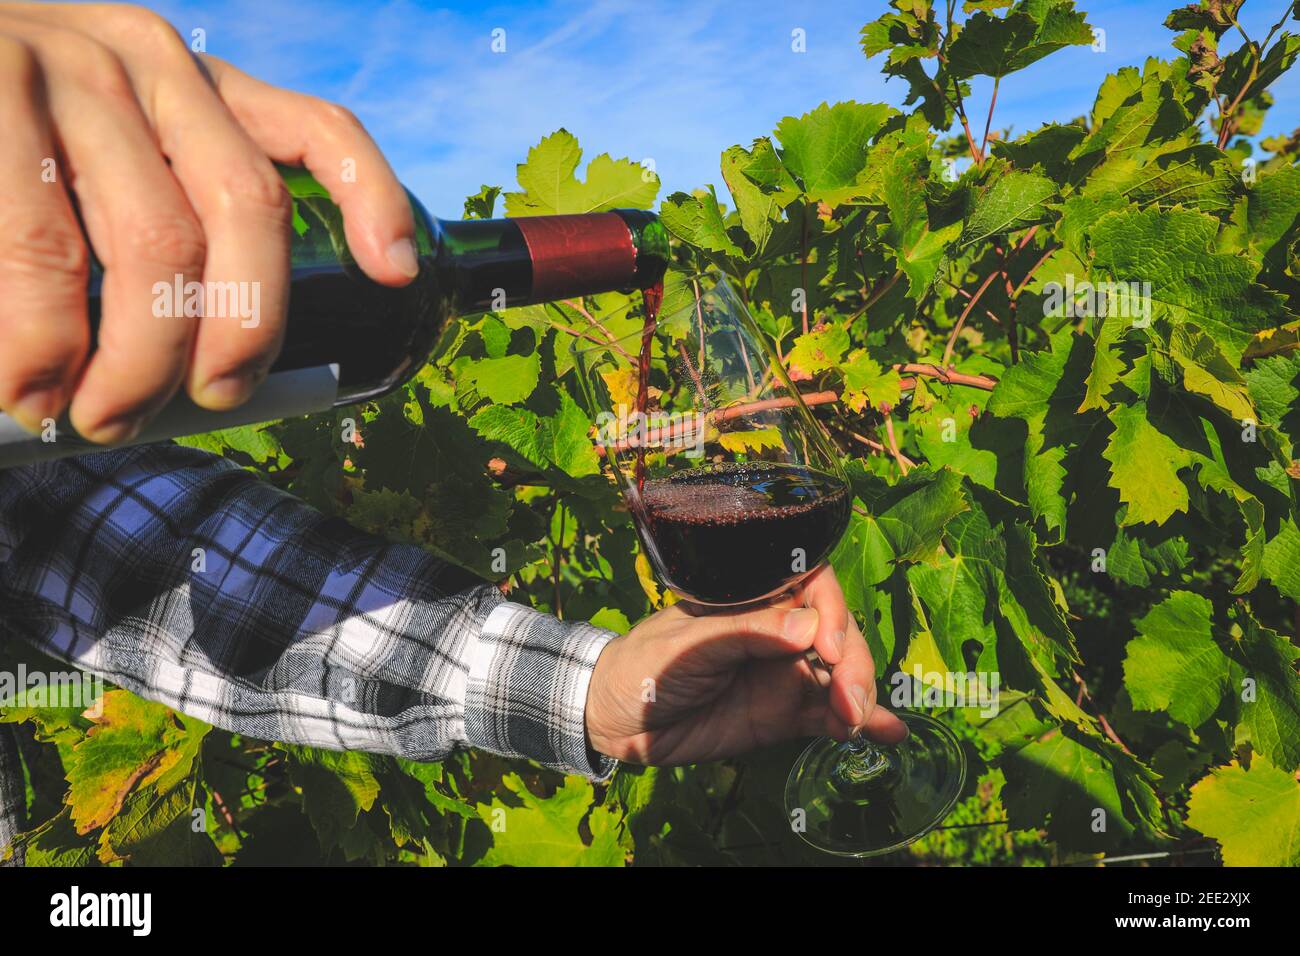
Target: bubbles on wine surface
732, 533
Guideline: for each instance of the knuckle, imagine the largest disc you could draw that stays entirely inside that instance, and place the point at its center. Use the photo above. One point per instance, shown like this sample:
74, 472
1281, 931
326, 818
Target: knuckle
338, 119
141, 25
172, 239
37, 247
18, 64
258, 189
89, 64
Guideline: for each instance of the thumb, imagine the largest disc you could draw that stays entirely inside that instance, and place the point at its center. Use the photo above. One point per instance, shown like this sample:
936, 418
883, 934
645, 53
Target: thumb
769, 632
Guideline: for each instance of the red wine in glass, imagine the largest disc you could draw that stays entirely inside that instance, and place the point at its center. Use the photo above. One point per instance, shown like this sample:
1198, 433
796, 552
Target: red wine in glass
735, 533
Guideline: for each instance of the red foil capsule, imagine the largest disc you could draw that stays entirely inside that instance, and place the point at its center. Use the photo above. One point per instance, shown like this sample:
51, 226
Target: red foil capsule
578, 254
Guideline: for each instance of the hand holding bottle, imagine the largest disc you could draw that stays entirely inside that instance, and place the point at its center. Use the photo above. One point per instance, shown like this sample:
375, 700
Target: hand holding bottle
168, 159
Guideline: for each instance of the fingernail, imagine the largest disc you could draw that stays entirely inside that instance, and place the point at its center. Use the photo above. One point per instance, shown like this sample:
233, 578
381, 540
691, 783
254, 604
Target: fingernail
225, 392
402, 256
117, 431
839, 642
800, 623
34, 408
859, 695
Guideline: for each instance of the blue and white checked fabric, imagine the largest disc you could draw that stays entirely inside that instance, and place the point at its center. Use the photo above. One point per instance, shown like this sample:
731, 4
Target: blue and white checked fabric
187, 580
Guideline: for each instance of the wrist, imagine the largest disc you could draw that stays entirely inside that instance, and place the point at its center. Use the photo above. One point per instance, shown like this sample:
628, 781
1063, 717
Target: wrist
600, 743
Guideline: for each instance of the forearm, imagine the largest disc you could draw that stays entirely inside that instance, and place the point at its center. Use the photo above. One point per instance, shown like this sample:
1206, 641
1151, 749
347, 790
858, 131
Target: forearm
190, 582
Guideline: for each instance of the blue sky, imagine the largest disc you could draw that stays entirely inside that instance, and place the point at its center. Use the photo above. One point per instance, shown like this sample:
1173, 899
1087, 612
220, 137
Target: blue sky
676, 82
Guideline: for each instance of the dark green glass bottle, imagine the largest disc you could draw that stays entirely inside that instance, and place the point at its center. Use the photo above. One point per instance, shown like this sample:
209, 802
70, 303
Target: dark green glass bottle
380, 336
350, 339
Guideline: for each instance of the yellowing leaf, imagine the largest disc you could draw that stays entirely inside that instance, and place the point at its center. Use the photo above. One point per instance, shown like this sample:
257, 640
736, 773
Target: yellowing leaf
867, 382
755, 440
133, 744
622, 385
1254, 814
818, 350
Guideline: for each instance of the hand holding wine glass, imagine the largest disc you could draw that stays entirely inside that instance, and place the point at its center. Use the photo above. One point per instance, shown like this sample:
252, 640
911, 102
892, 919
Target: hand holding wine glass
738, 499
684, 686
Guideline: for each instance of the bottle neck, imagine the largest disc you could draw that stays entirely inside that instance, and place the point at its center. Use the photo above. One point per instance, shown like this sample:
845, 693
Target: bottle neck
493, 264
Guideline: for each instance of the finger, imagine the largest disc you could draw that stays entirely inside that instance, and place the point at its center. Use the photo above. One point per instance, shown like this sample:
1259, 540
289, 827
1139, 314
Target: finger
729, 639
141, 227
822, 591
853, 680
245, 212
884, 726
331, 142
43, 255
853, 692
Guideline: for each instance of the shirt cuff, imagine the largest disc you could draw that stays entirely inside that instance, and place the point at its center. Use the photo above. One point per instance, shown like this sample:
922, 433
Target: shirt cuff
527, 689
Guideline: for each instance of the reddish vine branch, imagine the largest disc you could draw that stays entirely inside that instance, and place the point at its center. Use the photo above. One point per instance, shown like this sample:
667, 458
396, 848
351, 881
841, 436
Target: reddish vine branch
948, 376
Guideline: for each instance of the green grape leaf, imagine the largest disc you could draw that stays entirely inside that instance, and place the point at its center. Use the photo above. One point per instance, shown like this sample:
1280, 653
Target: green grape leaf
913, 512
155, 827
958, 595
1045, 391
1078, 784
1207, 372
1254, 814
504, 380
337, 787
550, 187
1271, 714
868, 383
255, 441
1280, 562
482, 204
1046, 149
760, 186
752, 440
1012, 201
1032, 29
1175, 665
519, 428
1144, 465
55, 842
699, 221
863, 558
1195, 284
827, 148
532, 831
1274, 386
571, 447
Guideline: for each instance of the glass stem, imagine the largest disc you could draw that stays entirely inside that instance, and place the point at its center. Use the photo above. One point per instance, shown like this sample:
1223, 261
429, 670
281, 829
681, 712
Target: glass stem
862, 762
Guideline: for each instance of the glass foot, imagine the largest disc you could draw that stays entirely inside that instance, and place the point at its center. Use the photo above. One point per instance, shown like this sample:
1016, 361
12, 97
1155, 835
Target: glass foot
862, 799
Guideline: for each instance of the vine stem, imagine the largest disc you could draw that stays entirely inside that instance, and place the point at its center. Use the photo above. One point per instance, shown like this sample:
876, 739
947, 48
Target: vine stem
876, 446
1105, 724
610, 340
803, 267
948, 376
961, 319
973, 300
876, 295
893, 442
989, 120
557, 560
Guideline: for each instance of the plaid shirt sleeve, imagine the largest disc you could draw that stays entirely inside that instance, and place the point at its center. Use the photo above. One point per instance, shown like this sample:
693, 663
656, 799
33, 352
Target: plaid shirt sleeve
185, 579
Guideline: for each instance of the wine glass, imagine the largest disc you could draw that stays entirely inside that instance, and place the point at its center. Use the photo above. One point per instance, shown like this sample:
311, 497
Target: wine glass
737, 496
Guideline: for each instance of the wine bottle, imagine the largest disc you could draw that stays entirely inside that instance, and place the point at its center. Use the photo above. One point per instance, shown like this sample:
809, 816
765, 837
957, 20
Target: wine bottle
350, 339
